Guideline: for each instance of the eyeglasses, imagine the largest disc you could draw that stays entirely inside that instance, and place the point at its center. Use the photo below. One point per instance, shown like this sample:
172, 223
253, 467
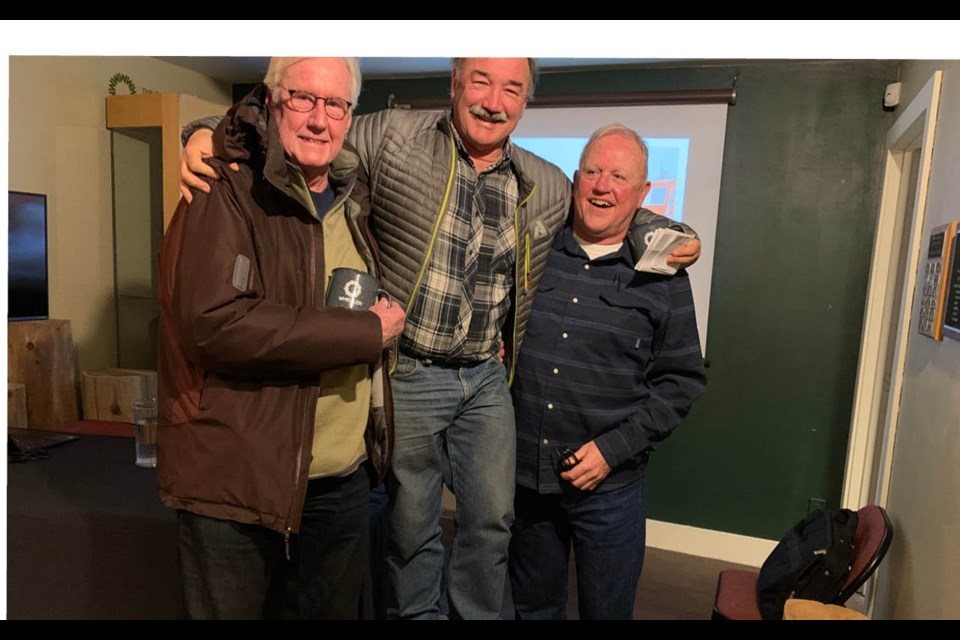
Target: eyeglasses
568, 459
304, 102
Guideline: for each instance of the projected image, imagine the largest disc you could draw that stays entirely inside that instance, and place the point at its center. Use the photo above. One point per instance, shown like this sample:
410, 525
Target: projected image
685, 165
667, 170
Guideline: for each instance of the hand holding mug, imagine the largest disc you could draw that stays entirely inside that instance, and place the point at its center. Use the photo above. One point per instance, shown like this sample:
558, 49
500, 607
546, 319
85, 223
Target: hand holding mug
359, 291
391, 317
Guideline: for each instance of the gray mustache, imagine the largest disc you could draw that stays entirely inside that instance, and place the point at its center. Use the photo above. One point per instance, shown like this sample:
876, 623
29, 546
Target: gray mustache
496, 116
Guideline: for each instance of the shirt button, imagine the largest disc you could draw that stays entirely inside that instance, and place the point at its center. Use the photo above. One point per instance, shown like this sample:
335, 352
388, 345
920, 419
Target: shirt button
549, 405
545, 441
586, 266
576, 300
556, 371
565, 335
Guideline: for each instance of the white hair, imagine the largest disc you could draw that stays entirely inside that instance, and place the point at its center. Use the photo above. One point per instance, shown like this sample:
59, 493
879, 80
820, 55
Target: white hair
279, 66
617, 129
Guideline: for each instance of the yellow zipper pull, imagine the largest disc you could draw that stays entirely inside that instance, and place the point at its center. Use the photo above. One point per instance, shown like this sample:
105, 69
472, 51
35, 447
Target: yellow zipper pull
526, 263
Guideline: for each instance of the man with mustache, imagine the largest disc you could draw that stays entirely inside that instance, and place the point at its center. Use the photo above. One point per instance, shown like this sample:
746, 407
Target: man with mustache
464, 220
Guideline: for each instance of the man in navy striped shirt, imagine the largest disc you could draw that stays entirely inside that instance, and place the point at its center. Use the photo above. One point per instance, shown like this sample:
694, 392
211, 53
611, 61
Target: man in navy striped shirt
610, 366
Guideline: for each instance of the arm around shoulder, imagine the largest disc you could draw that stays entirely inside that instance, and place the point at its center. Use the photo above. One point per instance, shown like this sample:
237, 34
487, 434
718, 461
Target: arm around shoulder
210, 123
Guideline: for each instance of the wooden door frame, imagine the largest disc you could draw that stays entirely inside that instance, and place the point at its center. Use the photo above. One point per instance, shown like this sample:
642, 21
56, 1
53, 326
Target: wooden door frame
913, 130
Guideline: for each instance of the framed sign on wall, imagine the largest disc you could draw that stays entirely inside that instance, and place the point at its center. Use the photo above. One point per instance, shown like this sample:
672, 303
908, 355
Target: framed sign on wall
951, 308
933, 280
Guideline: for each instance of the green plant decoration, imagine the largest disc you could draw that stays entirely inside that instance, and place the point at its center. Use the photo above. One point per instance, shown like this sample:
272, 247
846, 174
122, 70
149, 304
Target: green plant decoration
118, 78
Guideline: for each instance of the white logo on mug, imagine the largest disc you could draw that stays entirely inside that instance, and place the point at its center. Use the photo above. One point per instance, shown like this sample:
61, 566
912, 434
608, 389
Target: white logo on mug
352, 289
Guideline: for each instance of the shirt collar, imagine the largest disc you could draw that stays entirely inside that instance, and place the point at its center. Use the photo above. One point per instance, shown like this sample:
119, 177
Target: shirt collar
566, 242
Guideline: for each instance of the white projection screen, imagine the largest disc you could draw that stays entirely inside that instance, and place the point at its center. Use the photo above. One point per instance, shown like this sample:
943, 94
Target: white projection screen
686, 157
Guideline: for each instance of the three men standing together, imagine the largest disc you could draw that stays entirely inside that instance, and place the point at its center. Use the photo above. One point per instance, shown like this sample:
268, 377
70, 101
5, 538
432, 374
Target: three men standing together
453, 205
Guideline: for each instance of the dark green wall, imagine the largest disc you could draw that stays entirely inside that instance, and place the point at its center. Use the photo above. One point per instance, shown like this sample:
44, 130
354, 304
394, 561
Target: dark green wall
801, 184
799, 196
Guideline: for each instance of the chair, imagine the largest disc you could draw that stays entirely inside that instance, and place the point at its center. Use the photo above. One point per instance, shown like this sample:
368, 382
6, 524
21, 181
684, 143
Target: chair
736, 597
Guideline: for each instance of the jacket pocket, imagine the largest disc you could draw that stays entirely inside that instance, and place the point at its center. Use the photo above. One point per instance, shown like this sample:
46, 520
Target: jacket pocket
549, 282
630, 318
625, 300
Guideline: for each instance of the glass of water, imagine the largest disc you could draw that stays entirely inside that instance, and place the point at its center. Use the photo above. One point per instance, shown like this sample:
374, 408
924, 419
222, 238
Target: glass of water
145, 432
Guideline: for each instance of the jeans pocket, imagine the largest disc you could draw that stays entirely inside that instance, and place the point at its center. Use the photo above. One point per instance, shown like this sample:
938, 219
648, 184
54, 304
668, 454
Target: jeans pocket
405, 367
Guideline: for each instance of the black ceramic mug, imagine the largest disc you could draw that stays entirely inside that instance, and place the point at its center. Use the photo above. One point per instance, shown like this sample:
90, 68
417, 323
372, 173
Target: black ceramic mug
353, 289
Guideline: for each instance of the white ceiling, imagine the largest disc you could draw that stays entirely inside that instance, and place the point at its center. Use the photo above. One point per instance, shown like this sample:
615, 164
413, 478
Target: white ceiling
240, 69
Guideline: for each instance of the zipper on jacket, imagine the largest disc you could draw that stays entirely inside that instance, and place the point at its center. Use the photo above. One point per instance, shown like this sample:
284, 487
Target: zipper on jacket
315, 228
433, 236
286, 544
526, 262
526, 278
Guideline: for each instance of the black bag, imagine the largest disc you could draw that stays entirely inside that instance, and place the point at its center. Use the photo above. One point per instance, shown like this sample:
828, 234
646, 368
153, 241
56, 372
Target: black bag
812, 561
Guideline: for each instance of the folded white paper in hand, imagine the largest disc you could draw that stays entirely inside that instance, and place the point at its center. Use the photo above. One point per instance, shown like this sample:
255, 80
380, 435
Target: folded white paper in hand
660, 244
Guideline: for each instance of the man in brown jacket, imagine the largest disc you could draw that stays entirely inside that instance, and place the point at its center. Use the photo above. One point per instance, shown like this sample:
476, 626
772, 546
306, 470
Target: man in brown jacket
274, 415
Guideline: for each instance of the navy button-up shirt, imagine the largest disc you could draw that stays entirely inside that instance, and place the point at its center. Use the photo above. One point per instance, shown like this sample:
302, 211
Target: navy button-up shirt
612, 355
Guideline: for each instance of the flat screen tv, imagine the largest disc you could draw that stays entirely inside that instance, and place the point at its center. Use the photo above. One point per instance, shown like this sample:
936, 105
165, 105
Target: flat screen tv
27, 256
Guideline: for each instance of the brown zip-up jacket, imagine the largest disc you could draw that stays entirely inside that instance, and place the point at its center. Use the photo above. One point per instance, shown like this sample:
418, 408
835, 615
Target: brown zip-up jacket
244, 333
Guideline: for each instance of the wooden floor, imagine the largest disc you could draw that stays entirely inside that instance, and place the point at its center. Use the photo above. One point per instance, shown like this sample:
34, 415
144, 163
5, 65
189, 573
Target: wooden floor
673, 586
676, 586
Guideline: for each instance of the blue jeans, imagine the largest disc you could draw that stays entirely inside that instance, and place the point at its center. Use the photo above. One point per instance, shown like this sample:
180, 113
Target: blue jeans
231, 570
454, 425
608, 531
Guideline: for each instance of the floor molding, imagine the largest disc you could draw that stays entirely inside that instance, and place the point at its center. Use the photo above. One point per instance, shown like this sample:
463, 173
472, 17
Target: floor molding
720, 545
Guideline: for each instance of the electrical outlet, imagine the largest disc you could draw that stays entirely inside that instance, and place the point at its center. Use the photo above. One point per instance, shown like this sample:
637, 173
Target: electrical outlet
816, 503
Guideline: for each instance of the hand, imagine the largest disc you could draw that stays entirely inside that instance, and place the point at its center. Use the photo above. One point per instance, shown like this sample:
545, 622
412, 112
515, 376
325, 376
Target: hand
685, 255
192, 165
391, 317
587, 474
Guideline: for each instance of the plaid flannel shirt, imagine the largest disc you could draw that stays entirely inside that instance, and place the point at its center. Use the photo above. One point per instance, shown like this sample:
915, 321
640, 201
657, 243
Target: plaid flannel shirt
464, 296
